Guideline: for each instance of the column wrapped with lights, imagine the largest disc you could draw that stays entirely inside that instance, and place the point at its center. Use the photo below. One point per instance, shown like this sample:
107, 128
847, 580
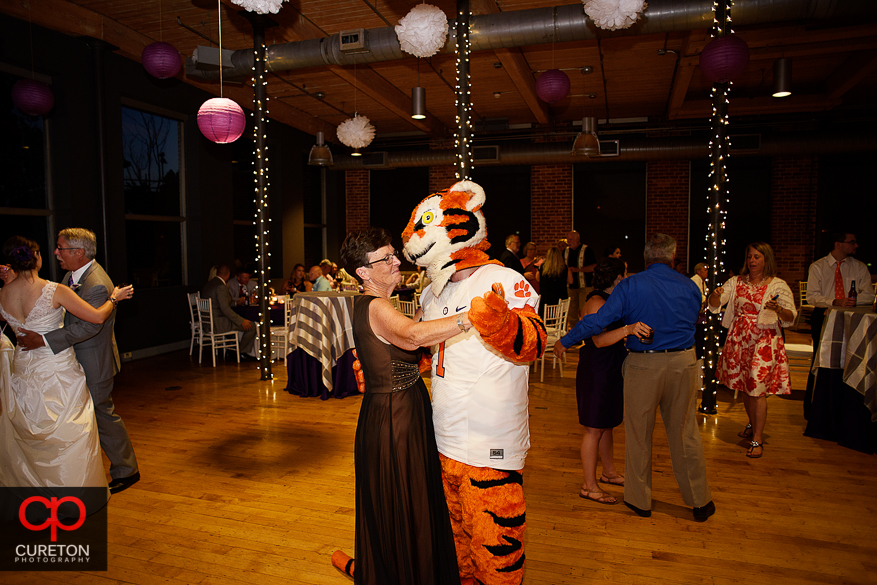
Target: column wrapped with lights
463, 140
260, 175
717, 201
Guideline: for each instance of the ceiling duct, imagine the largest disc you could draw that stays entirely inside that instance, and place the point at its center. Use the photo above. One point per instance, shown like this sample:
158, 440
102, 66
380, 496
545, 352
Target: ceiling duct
536, 26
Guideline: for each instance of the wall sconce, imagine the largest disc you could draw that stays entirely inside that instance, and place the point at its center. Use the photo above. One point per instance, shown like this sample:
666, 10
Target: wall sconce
782, 77
320, 154
587, 143
418, 103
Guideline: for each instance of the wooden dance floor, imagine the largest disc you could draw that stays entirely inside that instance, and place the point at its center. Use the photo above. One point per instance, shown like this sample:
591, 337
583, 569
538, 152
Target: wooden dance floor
244, 483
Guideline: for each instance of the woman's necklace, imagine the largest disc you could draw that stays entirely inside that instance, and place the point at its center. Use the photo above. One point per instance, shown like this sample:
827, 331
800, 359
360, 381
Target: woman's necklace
753, 282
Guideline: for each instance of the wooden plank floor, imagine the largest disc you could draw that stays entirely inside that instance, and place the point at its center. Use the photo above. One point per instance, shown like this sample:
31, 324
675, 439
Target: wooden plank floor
244, 483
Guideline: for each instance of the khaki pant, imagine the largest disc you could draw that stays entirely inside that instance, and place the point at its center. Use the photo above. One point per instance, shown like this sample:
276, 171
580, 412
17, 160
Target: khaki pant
668, 381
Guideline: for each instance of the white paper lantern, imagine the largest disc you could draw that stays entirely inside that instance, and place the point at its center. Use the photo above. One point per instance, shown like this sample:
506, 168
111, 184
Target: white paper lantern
355, 132
614, 14
260, 6
423, 31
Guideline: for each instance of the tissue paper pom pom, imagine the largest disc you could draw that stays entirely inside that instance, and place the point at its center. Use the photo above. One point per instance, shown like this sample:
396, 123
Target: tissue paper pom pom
260, 6
614, 14
423, 31
355, 132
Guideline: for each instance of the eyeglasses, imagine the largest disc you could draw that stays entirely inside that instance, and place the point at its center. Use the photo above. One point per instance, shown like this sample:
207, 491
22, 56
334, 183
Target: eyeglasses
388, 259
60, 248
850, 242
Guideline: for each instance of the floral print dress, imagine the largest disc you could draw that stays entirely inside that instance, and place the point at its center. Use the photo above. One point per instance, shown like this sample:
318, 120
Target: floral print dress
753, 359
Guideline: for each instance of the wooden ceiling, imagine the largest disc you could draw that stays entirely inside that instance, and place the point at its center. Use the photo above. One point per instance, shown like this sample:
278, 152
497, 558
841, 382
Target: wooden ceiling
651, 78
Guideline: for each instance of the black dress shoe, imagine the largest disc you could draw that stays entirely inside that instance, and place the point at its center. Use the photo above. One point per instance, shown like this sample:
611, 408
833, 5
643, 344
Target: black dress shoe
120, 485
704, 512
248, 358
639, 511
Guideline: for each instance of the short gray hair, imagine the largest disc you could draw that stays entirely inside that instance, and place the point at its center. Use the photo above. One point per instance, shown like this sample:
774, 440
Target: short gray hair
699, 266
660, 249
81, 238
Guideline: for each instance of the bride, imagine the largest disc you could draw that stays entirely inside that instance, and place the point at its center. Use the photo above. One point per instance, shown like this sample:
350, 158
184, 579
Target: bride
48, 433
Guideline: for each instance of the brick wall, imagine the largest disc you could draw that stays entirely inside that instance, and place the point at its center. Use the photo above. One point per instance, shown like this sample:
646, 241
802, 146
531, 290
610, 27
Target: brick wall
441, 178
667, 191
550, 204
356, 188
793, 216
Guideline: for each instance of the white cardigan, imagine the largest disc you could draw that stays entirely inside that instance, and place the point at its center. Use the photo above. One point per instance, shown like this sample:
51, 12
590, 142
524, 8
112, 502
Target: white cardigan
766, 319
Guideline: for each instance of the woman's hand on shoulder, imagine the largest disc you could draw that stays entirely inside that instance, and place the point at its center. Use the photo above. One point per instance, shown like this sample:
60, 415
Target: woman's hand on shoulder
120, 294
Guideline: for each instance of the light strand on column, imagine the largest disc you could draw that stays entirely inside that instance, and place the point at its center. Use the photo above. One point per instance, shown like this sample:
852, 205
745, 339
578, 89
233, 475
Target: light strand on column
262, 219
463, 137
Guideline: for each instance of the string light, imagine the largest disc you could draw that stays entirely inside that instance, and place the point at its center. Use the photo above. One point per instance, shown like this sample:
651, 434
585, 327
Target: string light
463, 101
717, 201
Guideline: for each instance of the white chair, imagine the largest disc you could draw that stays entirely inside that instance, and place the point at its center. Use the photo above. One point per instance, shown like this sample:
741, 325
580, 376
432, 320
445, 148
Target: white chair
395, 300
416, 301
805, 308
408, 308
555, 327
216, 341
280, 333
194, 321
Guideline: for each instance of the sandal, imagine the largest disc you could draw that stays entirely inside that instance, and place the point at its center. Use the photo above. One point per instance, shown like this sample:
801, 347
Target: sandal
755, 445
602, 497
747, 432
617, 480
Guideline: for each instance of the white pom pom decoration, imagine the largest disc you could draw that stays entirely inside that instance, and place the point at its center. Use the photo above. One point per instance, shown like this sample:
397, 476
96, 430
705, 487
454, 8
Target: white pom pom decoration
355, 132
423, 31
260, 6
614, 14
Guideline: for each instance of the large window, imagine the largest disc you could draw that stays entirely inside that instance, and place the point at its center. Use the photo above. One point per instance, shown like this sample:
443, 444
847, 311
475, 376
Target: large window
24, 192
154, 205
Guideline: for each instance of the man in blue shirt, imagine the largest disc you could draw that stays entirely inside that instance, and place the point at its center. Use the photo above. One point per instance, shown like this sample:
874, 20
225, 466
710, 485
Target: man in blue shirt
320, 282
663, 373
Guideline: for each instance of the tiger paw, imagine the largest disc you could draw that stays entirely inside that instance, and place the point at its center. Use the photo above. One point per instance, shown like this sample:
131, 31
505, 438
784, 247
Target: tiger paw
522, 290
490, 313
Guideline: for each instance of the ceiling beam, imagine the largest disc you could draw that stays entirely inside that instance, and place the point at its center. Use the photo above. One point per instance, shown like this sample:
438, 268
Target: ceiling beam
74, 20
687, 63
366, 80
762, 106
517, 68
851, 72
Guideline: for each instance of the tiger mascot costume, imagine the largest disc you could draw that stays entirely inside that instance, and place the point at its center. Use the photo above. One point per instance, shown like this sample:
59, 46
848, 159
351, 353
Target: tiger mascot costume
479, 380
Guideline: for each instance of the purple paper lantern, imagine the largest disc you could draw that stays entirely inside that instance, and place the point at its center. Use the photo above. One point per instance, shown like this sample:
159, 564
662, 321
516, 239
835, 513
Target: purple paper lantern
552, 86
32, 97
724, 58
161, 60
221, 120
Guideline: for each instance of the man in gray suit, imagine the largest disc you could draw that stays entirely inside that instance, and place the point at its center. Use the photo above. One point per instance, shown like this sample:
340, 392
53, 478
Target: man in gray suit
95, 346
224, 318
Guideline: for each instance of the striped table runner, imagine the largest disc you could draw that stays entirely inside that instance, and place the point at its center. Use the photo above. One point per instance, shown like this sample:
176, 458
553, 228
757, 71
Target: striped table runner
323, 327
849, 342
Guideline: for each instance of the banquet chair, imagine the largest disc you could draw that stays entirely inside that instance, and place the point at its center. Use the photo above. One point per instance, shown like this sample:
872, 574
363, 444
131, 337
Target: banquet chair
408, 308
416, 301
395, 300
802, 299
216, 341
555, 327
280, 333
194, 321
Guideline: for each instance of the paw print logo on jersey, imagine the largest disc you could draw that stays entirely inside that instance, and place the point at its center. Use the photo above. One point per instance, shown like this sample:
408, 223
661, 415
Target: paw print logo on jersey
522, 289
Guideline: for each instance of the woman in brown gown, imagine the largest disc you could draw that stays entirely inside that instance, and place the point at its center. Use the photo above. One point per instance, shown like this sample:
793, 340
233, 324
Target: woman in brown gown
403, 532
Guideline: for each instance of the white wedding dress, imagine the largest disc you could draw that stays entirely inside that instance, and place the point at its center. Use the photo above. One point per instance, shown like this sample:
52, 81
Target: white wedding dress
47, 426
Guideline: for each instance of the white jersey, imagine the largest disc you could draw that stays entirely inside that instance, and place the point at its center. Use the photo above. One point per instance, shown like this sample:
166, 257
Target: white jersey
479, 397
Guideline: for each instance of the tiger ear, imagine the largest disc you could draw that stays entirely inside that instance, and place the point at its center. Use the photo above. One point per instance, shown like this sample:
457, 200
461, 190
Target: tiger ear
476, 193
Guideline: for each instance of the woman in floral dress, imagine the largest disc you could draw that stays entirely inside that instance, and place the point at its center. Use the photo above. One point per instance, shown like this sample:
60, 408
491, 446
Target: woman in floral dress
753, 360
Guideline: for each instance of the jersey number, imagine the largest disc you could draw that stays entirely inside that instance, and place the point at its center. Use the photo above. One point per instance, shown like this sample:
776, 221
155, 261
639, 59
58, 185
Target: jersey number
440, 366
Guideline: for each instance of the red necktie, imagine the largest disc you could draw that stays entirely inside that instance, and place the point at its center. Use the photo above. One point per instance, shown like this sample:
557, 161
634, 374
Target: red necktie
839, 291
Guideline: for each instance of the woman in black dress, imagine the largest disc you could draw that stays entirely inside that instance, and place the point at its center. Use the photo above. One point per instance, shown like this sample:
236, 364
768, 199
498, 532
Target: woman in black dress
403, 531
552, 278
296, 282
599, 386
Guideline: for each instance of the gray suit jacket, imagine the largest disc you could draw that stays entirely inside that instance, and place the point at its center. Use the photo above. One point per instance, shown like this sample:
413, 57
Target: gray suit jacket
95, 344
224, 319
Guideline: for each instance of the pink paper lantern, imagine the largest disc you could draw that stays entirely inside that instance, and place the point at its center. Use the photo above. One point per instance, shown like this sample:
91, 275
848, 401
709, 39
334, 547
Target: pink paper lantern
161, 60
552, 86
32, 97
724, 58
221, 120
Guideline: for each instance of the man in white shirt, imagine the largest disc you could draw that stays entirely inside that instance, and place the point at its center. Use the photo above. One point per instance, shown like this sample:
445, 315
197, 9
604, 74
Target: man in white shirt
828, 285
241, 287
700, 273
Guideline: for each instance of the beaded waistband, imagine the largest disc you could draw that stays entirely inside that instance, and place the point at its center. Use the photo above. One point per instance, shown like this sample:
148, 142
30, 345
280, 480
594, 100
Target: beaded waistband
404, 375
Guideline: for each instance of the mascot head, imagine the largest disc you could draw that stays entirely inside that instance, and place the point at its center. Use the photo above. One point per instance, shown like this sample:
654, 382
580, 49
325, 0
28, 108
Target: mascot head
447, 232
